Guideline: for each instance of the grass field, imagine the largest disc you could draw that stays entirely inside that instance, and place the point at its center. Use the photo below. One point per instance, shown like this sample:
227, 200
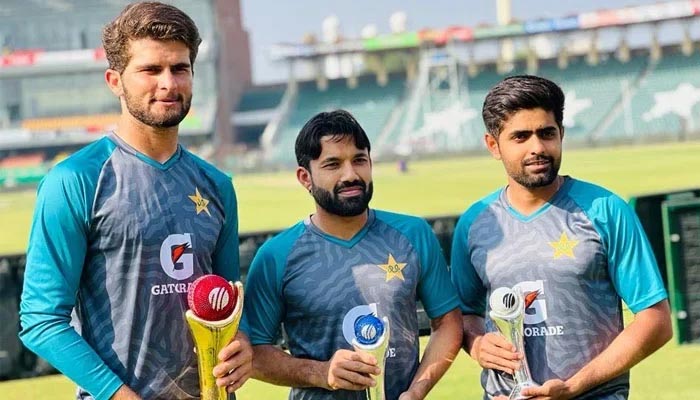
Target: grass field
669, 374
442, 187
448, 186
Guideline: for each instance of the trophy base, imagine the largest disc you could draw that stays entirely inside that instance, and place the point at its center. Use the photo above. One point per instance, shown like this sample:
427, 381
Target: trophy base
209, 338
515, 394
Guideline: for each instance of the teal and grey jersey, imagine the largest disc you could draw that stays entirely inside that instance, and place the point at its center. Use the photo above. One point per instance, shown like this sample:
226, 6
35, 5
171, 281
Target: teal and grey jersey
318, 285
118, 237
574, 259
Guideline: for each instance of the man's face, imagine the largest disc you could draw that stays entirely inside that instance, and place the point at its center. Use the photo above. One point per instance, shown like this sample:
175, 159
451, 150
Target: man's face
530, 147
157, 83
341, 178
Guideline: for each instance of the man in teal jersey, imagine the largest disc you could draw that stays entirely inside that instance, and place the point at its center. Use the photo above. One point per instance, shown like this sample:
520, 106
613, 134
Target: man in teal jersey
344, 262
573, 248
122, 227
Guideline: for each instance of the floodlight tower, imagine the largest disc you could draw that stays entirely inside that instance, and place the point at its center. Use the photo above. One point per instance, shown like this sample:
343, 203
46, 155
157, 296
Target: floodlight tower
504, 17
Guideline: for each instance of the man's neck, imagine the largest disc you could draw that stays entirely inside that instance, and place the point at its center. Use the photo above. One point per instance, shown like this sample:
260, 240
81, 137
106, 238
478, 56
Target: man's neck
528, 200
344, 228
158, 144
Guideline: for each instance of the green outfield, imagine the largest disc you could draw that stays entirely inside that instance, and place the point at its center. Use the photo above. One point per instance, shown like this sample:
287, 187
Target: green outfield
669, 374
430, 188
447, 186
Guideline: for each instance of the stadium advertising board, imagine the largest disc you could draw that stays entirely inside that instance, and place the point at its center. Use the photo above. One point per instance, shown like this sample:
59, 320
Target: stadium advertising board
639, 14
440, 37
395, 41
27, 58
491, 32
288, 50
551, 25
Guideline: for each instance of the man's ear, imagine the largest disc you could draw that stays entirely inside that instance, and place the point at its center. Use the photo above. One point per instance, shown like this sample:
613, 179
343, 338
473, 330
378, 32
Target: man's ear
492, 145
304, 177
114, 82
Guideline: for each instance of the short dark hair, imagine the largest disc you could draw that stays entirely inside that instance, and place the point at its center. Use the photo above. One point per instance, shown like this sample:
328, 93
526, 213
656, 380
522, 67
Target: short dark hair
521, 92
147, 20
339, 124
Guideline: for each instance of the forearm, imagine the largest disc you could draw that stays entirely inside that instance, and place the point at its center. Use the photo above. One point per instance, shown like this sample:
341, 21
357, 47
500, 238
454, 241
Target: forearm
125, 393
439, 354
650, 330
53, 339
272, 365
473, 329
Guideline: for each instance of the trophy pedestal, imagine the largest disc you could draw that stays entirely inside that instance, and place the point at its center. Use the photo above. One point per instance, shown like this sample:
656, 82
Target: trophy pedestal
515, 394
508, 314
378, 350
209, 338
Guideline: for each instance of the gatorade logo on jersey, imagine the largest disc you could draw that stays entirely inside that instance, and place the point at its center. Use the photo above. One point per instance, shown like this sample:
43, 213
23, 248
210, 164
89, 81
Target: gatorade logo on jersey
536, 310
177, 256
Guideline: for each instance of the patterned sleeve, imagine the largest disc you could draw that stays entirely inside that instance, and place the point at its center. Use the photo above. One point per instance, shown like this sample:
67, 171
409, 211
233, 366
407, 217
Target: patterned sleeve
58, 243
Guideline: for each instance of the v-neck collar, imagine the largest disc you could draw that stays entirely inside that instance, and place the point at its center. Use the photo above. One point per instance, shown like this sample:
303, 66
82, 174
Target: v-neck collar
148, 160
371, 217
543, 208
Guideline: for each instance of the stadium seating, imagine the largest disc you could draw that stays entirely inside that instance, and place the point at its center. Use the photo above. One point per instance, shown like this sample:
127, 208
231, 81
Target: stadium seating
90, 123
592, 91
21, 161
260, 99
370, 103
664, 102
593, 95
22, 169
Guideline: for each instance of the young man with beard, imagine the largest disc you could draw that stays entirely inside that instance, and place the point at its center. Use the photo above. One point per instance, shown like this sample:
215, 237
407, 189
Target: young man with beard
125, 224
575, 250
344, 262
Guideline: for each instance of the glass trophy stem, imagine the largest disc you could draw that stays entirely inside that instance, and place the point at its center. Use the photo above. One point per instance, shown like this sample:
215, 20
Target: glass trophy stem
378, 350
510, 324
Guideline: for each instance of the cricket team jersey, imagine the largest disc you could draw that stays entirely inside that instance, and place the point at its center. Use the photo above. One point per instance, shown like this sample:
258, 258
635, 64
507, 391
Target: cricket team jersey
119, 237
574, 259
318, 286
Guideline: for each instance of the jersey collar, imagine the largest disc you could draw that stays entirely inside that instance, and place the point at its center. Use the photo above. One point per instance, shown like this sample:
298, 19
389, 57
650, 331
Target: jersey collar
341, 242
148, 160
527, 218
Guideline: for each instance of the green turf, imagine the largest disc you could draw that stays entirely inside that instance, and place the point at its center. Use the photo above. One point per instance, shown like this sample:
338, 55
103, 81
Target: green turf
273, 201
669, 374
448, 186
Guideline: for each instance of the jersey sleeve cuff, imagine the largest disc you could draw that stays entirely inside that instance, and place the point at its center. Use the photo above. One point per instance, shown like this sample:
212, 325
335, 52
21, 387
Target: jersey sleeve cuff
259, 341
109, 388
648, 301
467, 310
442, 309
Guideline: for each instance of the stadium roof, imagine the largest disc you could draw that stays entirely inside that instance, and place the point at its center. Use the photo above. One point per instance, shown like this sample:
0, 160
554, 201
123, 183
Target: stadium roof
40, 8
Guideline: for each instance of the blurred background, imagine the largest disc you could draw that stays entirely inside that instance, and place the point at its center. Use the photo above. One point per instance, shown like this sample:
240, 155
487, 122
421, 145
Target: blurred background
414, 74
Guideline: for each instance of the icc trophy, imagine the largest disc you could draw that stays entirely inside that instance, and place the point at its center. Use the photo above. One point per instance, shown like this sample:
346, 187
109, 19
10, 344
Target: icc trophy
508, 313
372, 336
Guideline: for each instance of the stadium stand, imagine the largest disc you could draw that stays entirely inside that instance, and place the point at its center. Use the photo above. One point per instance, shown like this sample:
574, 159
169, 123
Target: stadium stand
369, 102
52, 90
260, 98
592, 91
22, 169
663, 103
